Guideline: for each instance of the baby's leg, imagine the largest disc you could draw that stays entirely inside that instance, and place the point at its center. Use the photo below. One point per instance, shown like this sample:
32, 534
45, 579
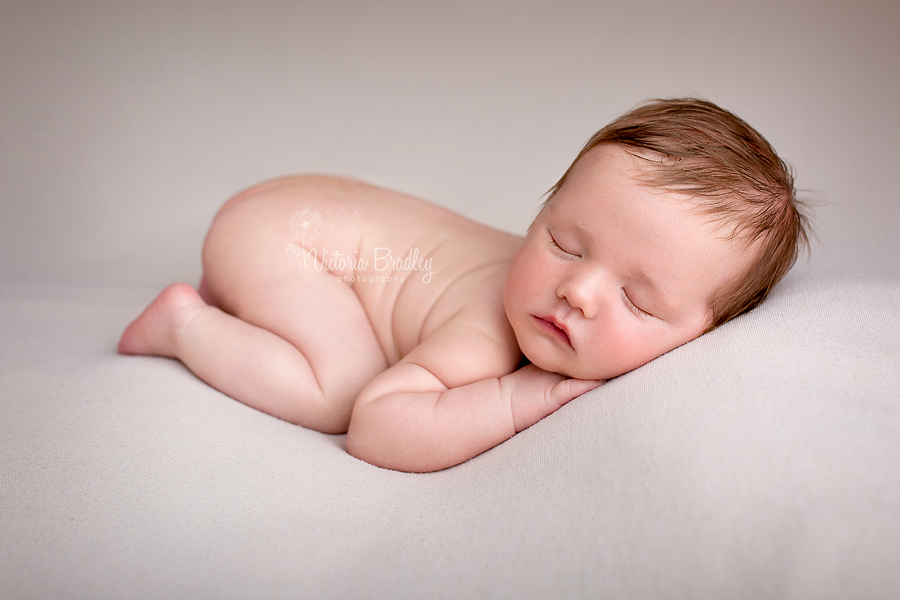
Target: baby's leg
294, 343
246, 362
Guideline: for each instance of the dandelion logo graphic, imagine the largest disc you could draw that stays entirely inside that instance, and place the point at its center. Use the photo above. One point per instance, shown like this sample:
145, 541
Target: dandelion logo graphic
306, 225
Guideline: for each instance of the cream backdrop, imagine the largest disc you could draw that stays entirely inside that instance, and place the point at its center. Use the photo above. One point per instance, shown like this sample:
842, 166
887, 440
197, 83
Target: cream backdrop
126, 124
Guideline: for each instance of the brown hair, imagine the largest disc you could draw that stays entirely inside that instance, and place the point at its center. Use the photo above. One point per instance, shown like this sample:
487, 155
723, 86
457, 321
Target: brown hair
734, 174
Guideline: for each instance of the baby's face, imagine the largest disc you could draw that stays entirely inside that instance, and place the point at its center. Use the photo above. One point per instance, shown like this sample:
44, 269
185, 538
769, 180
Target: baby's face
612, 274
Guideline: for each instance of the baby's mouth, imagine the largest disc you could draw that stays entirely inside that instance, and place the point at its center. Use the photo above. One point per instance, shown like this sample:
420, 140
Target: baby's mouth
549, 325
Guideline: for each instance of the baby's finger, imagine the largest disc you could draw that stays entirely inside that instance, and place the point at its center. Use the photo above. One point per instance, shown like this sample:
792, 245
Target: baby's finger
567, 389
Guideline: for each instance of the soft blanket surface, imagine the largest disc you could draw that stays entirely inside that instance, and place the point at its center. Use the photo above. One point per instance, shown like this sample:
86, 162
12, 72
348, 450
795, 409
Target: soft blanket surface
757, 461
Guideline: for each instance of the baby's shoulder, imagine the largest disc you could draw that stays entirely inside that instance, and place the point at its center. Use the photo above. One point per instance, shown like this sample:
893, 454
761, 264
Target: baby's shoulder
476, 341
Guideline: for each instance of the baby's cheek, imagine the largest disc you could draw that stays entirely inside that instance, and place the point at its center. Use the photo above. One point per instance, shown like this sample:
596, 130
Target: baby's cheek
617, 353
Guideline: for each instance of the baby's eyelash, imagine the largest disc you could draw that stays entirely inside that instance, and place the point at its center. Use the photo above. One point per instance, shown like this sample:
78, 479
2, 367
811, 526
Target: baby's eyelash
633, 306
556, 245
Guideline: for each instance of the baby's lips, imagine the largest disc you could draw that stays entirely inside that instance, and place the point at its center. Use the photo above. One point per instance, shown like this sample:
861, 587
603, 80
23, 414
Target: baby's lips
554, 326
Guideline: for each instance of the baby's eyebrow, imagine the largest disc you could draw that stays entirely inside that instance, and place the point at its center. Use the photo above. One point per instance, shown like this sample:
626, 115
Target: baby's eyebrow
569, 221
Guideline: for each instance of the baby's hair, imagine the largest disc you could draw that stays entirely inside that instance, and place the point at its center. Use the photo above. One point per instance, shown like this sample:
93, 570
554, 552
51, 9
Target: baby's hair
693, 147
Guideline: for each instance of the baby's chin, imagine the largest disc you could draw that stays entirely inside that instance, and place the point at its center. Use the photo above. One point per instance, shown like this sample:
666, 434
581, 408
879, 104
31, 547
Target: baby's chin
598, 373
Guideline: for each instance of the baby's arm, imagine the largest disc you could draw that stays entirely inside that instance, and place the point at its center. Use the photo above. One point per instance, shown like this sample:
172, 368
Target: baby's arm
408, 419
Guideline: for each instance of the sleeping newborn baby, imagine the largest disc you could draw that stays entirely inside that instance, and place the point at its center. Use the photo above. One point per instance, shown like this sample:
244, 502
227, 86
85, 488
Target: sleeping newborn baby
343, 307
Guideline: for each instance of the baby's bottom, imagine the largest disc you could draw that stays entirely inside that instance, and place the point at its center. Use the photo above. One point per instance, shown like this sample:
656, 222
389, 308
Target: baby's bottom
295, 344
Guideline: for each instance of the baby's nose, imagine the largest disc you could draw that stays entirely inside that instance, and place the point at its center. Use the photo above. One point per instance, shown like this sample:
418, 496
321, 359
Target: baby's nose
583, 293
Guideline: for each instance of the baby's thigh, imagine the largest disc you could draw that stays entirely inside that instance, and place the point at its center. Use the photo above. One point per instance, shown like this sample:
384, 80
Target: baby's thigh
253, 272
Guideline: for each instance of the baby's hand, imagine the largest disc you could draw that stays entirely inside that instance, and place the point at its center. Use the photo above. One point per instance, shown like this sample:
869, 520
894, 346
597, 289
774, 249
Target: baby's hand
534, 393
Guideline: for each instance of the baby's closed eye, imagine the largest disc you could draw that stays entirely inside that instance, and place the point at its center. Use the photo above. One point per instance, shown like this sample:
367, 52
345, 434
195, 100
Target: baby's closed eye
556, 244
634, 307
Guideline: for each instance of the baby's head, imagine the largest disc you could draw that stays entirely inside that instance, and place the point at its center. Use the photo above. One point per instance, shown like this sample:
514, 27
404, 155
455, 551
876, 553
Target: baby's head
673, 219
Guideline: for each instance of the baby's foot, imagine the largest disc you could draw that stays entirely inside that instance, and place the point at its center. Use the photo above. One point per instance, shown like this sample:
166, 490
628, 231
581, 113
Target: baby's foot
156, 330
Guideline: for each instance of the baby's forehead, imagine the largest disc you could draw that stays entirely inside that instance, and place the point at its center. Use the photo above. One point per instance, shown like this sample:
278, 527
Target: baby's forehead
717, 216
